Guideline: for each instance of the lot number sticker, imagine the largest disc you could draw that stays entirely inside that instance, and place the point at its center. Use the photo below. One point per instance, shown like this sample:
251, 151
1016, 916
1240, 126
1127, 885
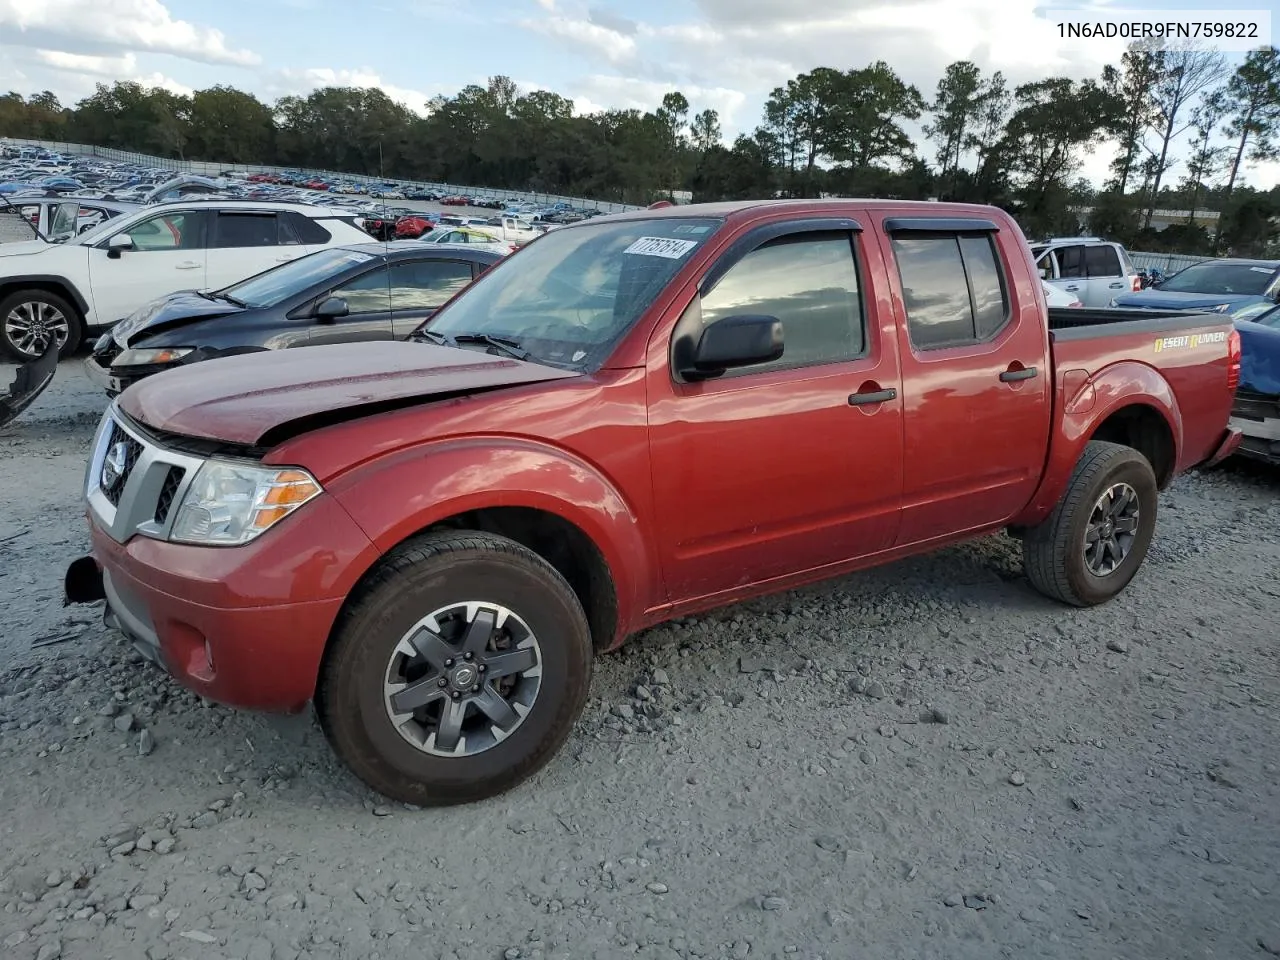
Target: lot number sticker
661, 247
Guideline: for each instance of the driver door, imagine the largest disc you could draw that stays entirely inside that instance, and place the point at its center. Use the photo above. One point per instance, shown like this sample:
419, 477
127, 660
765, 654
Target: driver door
368, 299
168, 254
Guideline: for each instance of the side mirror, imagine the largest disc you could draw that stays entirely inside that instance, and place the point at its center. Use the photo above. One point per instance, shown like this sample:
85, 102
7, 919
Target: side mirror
118, 245
331, 309
739, 341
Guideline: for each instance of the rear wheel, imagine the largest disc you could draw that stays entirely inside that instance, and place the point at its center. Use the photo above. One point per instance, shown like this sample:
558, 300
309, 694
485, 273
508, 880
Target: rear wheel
32, 320
457, 671
1093, 543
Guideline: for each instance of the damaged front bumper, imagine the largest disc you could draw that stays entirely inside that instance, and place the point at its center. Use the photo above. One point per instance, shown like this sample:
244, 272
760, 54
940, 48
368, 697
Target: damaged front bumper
29, 383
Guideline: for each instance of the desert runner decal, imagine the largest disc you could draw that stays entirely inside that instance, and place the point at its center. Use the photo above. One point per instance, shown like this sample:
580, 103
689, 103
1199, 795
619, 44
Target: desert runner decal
1191, 340
666, 247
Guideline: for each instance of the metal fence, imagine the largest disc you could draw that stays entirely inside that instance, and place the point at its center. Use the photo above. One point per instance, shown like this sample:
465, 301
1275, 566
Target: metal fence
1165, 262
205, 168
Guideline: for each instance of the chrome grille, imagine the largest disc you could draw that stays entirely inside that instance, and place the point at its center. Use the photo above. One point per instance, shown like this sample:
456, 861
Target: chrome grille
122, 453
172, 481
133, 484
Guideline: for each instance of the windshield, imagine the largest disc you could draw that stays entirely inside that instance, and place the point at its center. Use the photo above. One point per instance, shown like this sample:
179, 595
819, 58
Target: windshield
572, 293
1221, 278
107, 228
274, 286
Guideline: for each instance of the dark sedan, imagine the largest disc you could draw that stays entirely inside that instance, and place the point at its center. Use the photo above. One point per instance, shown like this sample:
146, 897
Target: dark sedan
1222, 286
368, 291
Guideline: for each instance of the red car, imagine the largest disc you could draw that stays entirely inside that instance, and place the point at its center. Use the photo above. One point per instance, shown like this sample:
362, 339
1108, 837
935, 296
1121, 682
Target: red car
413, 226
634, 418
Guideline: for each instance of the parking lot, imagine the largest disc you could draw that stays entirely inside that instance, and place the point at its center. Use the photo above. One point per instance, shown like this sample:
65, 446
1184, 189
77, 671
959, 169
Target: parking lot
924, 761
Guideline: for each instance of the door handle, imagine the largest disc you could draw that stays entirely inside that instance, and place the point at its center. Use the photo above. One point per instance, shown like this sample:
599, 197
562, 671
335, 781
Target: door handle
1012, 376
1073, 286
1115, 286
872, 396
189, 265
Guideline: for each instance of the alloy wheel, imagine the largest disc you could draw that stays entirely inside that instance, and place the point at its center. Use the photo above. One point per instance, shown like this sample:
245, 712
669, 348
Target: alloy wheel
32, 325
462, 679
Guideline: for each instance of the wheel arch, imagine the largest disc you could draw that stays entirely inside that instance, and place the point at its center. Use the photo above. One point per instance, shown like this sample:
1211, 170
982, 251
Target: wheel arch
1129, 403
544, 498
50, 283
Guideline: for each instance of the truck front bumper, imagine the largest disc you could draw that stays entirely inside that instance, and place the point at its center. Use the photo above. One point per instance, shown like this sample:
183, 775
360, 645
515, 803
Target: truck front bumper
216, 619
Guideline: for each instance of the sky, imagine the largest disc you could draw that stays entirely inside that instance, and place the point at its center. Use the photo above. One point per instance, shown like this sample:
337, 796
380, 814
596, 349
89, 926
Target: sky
722, 54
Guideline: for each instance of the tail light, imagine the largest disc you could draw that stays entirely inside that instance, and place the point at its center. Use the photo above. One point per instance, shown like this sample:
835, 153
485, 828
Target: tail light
1233, 360
1136, 283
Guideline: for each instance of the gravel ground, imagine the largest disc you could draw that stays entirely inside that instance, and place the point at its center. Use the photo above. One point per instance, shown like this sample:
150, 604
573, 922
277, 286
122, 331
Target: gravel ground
924, 761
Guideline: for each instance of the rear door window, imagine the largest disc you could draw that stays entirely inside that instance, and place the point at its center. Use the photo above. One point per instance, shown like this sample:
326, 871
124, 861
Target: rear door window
1071, 263
1101, 261
424, 284
246, 230
953, 289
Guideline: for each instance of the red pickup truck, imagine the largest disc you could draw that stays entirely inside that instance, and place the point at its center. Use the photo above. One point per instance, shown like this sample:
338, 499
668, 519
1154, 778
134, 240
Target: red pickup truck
631, 419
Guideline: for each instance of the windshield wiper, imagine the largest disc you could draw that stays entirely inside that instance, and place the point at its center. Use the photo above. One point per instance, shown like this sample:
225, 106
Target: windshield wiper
432, 336
225, 298
508, 345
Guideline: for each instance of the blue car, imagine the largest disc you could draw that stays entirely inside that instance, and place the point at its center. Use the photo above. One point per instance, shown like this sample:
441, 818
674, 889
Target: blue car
1221, 286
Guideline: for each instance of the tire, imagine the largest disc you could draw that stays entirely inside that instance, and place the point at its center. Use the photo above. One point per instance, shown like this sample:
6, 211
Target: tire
1054, 552
24, 306
445, 571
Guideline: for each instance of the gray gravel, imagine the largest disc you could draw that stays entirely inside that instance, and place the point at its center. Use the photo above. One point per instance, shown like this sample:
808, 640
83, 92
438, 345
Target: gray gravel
924, 761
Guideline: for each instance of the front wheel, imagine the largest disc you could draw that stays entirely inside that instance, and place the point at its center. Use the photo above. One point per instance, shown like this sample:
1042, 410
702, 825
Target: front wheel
1092, 544
33, 320
457, 671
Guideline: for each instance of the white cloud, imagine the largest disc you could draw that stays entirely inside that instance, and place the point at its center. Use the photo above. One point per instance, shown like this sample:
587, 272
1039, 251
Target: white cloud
109, 67
305, 81
94, 26
586, 36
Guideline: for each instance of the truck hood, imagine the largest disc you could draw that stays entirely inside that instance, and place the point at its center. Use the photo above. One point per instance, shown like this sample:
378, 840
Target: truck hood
1170, 300
168, 313
260, 399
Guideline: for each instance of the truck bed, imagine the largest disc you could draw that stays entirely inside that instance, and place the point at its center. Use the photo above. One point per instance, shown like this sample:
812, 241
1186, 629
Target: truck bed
1073, 318
1188, 350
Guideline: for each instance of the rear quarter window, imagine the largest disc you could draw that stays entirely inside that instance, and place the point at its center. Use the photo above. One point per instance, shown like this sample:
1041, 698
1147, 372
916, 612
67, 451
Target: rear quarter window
306, 229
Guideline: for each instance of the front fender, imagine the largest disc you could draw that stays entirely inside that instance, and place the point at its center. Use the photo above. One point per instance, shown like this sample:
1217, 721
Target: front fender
1082, 405
396, 496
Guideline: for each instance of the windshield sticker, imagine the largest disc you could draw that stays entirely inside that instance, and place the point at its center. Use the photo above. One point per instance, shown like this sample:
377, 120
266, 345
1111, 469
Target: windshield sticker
690, 228
1261, 269
1193, 340
661, 247
355, 257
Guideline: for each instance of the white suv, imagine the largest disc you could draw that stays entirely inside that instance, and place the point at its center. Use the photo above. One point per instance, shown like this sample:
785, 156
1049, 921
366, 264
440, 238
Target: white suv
62, 291
1093, 269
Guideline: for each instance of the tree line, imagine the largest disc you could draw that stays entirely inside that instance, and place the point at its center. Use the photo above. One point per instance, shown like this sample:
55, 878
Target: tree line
1188, 129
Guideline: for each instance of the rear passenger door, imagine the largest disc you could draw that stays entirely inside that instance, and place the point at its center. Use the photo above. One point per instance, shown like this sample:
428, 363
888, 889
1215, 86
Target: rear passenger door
244, 243
1106, 275
420, 287
1072, 275
976, 384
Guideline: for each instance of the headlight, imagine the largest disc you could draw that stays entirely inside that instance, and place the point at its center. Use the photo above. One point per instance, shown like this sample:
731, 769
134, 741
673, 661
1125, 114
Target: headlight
229, 504
142, 358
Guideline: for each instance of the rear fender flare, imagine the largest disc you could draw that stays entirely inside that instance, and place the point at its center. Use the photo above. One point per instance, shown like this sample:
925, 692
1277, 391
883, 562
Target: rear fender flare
1113, 388
394, 497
